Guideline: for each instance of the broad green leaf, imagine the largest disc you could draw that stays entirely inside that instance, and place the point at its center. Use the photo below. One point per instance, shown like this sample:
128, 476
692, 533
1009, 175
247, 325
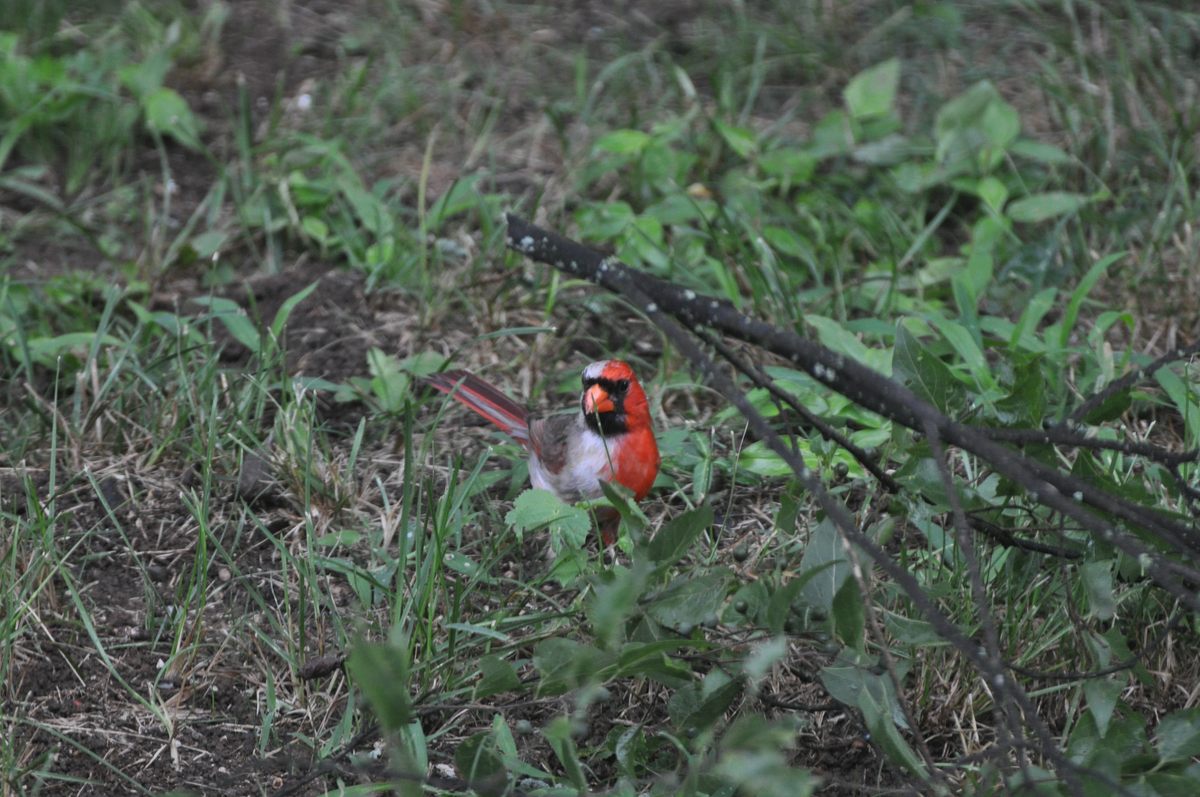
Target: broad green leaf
285, 310
1041, 152
974, 129
536, 509
615, 601
872, 92
837, 337
878, 705
167, 113
759, 459
848, 613
747, 604
207, 244
764, 773
47, 350
1097, 580
566, 664
740, 139
380, 672
965, 347
1183, 397
558, 734
825, 550
850, 677
993, 193
1178, 736
923, 372
233, 318
316, 229
388, 383
624, 142
752, 759
1042, 207
1111, 408
479, 761
783, 600
690, 602
1080, 293
650, 660
792, 166
913, 632
1025, 404
1024, 335
697, 708
675, 539
1102, 694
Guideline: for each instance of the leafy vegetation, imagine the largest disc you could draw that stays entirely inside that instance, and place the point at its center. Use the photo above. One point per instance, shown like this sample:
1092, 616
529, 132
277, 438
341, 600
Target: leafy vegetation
238, 540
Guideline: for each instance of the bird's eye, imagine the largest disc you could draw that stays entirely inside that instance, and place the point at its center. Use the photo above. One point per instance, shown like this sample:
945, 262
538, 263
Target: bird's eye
623, 385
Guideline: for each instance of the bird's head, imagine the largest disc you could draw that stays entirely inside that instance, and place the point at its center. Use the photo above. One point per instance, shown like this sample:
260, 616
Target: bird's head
613, 402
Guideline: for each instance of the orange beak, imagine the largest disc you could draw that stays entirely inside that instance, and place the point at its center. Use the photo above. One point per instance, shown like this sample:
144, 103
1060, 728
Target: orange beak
596, 400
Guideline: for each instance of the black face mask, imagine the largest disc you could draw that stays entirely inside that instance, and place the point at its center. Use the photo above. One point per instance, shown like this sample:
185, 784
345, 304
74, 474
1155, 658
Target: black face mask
614, 421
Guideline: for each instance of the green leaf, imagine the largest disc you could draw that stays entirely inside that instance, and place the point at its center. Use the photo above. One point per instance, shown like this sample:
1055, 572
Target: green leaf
848, 678
381, 673
759, 459
1080, 293
207, 244
1183, 397
752, 760
47, 350
1097, 580
632, 517
233, 318
388, 383
691, 601
673, 541
764, 773
878, 705
740, 139
872, 92
1042, 207
167, 113
624, 142
1041, 152
825, 552
567, 664
993, 193
558, 734
747, 604
1178, 736
923, 372
1025, 403
784, 598
1024, 335
1110, 408
479, 762
615, 601
536, 509
693, 708
974, 129
965, 346
1102, 694
849, 615
285, 310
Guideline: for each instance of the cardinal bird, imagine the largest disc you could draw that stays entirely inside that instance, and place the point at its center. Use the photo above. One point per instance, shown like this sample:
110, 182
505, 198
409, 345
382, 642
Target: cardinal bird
610, 438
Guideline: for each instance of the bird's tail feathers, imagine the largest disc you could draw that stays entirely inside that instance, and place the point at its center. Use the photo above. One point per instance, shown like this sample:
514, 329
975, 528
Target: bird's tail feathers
471, 391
